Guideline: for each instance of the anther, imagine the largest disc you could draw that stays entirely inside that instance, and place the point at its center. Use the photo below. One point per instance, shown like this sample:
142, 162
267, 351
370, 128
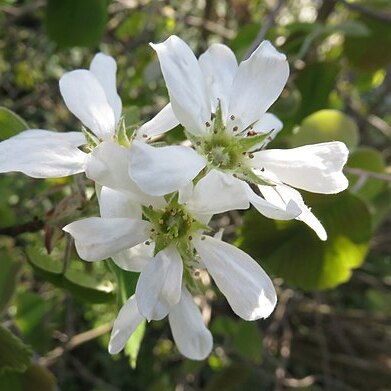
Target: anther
190, 237
147, 243
212, 116
263, 169
198, 143
232, 117
251, 156
203, 237
215, 131
207, 124
196, 273
235, 128
145, 135
150, 206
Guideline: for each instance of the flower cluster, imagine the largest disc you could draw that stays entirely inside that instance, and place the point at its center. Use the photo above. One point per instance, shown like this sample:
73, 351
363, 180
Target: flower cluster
156, 201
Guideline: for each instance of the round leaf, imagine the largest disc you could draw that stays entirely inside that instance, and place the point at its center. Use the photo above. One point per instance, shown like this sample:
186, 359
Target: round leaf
327, 125
289, 249
367, 159
75, 22
10, 123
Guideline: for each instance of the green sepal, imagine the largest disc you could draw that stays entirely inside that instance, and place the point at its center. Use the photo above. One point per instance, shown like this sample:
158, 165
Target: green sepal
152, 215
218, 124
92, 140
246, 144
247, 175
121, 134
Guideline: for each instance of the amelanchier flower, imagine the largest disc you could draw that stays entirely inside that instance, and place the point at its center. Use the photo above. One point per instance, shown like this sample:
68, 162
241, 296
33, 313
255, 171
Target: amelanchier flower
174, 232
223, 108
91, 95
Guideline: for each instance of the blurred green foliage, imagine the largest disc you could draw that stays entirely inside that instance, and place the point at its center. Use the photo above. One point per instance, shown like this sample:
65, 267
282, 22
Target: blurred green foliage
56, 311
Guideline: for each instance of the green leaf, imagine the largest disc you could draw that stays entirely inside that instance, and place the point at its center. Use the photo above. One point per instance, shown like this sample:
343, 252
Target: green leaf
33, 319
244, 338
133, 346
45, 265
126, 282
368, 53
10, 123
14, 354
326, 125
8, 277
75, 22
82, 285
367, 159
291, 250
87, 287
35, 378
315, 82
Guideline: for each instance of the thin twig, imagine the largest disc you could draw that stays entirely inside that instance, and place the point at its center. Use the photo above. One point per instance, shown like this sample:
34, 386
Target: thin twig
269, 21
74, 342
384, 16
16, 230
367, 174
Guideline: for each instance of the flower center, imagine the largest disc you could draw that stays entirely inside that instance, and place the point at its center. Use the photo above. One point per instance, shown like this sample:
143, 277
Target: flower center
173, 224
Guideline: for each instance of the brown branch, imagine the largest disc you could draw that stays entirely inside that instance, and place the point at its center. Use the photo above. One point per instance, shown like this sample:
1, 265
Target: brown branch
74, 342
16, 230
367, 174
269, 21
384, 16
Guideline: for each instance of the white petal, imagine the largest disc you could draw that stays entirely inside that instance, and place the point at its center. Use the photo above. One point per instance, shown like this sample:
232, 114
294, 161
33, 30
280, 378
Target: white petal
159, 285
316, 168
98, 238
219, 67
114, 203
163, 121
191, 336
43, 154
86, 99
283, 194
268, 123
258, 83
108, 166
136, 258
185, 83
124, 326
248, 289
273, 210
159, 171
218, 192
104, 69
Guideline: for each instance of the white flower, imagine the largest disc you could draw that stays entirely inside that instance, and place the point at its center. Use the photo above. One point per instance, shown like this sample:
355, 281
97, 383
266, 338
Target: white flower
191, 336
91, 95
175, 233
222, 106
